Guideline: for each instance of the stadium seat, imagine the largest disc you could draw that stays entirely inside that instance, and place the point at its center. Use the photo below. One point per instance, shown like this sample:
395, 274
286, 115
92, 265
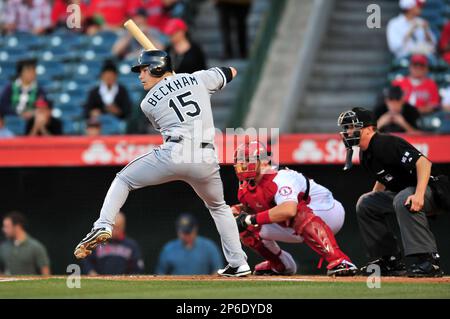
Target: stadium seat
70, 111
91, 55
15, 124
65, 101
87, 71
3, 83
50, 69
438, 122
76, 86
70, 127
110, 125
50, 86
14, 55
136, 96
7, 71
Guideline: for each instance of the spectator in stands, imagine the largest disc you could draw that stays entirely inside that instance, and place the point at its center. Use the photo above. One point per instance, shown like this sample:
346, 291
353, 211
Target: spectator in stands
127, 47
157, 16
93, 127
190, 254
92, 25
175, 8
21, 254
4, 131
120, 256
395, 115
187, 56
32, 16
20, 96
113, 12
109, 97
60, 14
420, 90
234, 11
408, 33
446, 99
444, 43
43, 123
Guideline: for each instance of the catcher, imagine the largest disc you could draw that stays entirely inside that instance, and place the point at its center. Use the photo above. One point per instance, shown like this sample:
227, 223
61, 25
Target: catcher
288, 207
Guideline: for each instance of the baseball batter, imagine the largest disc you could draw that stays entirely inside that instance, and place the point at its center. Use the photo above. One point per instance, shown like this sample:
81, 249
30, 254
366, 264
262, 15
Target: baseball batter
288, 207
179, 107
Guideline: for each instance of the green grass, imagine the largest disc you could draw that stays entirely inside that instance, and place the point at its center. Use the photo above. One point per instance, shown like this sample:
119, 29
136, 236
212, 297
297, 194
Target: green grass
95, 288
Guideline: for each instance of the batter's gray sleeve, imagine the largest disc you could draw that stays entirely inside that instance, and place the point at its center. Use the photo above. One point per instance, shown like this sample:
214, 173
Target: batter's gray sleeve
213, 79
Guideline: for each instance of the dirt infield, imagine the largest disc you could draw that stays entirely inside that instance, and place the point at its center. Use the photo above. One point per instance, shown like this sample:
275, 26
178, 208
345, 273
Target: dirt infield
445, 280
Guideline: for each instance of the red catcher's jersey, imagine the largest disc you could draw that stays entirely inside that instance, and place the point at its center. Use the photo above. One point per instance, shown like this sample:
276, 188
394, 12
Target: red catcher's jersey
282, 186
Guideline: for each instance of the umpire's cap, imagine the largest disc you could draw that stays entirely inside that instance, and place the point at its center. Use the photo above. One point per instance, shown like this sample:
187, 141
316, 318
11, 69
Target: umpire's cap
157, 61
357, 115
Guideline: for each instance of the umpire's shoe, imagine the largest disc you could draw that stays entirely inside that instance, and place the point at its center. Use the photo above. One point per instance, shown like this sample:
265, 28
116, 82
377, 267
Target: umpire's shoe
427, 266
388, 266
93, 239
343, 269
240, 271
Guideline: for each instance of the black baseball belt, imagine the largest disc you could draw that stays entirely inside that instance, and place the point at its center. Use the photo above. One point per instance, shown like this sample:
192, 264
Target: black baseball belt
179, 139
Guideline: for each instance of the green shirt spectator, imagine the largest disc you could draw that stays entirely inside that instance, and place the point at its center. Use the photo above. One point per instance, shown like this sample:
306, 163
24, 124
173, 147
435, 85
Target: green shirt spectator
21, 254
25, 258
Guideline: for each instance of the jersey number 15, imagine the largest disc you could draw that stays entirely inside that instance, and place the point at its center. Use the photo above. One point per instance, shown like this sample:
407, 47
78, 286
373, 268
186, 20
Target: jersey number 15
183, 104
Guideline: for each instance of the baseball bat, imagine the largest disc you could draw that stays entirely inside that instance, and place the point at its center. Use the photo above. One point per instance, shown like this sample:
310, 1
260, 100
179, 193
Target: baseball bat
140, 37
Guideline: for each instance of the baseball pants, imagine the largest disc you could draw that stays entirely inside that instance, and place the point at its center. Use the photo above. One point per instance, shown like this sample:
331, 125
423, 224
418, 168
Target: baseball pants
378, 213
158, 167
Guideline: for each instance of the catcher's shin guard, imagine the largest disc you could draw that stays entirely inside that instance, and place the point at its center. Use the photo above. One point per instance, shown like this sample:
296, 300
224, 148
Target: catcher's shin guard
318, 236
251, 239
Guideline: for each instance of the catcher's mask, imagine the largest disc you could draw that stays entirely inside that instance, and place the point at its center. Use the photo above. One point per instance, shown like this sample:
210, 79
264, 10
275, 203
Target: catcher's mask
352, 122
247, 160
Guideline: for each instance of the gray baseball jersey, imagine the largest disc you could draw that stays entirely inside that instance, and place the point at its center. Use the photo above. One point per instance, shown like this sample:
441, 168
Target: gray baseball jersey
176, 103
175, 106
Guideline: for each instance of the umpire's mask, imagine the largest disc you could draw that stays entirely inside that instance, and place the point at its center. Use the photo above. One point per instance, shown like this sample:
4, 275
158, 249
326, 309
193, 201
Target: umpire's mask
351, 123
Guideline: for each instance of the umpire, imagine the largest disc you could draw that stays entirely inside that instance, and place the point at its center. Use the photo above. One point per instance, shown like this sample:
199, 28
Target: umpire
401, 195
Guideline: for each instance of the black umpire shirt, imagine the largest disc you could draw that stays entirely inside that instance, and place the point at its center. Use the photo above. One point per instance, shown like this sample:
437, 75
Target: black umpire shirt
392, 161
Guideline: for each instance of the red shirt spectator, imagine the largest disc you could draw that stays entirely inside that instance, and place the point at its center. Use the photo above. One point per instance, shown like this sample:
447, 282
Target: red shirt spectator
444, 43
420, 90
157, 16
114, 12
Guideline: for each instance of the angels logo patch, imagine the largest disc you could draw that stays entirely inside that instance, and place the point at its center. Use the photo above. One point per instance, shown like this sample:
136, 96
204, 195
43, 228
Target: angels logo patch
285, 191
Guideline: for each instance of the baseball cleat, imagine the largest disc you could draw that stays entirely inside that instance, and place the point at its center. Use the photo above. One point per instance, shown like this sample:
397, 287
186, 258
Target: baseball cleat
240, 271
91, 241
345, 268
388, 266
428, 267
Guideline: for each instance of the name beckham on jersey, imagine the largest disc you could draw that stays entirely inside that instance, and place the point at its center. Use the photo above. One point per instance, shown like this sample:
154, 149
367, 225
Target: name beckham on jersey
169, 87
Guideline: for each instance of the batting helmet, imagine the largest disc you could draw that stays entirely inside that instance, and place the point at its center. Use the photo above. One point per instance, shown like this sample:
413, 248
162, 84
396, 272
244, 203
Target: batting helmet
157, 61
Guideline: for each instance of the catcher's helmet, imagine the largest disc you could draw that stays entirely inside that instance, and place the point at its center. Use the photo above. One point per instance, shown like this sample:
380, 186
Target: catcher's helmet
157, 61
247, 159
354, 120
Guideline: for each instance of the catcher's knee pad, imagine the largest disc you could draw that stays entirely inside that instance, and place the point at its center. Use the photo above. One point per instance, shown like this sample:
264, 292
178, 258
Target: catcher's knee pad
318, 236
251, 239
